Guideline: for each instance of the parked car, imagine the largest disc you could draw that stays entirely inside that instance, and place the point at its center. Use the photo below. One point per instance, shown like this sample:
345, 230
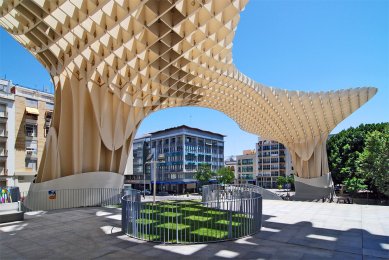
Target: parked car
145, 192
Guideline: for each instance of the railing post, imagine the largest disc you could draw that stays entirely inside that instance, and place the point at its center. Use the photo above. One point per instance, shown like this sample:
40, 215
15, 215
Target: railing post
230, 221
177, 225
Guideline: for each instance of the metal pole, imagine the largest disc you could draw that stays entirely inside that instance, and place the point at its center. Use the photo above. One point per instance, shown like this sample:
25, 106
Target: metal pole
155, 180
144, 180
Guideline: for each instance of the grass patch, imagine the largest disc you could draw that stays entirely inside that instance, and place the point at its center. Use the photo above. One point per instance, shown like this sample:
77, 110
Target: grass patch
170, 214
199, 218
209, 232
238, 215
149, 211
167, 206
187, 203
227, 222
173, 226
146, 221
190, 209
215, 212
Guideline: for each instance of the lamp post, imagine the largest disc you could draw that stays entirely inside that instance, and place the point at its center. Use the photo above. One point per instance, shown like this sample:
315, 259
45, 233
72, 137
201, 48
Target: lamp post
148, 159
160, 159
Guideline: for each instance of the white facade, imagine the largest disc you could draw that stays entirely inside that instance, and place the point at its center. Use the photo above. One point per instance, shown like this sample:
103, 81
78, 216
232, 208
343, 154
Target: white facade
7, 134
273, 160
263, 166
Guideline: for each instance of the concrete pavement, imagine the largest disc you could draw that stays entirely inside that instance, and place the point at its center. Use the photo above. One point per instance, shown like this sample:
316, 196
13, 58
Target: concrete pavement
291, 230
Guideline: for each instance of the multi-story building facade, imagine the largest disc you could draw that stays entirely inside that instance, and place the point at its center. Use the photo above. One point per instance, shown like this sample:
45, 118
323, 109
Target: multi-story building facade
23, 128
232, 164
273, 160
7, 134
246, 167
263, 165
184, 149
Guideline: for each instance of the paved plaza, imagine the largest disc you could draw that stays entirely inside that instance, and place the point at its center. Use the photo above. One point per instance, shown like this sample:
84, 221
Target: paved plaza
291, 230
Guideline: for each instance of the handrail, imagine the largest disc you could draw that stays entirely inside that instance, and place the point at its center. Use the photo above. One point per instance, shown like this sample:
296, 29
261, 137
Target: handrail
187, 222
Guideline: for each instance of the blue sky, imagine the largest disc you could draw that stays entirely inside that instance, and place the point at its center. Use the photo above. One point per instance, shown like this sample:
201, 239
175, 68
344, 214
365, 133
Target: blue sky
297, 45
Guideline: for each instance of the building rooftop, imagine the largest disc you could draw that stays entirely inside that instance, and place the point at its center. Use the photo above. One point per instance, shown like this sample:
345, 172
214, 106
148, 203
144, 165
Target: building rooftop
186, 127
142, 137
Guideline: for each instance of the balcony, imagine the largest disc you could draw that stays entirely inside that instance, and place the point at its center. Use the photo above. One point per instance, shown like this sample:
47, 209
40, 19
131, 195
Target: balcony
31, 153
3, 117
3, 171
175, 176
3, 133
31, 135
161, 177
3, 155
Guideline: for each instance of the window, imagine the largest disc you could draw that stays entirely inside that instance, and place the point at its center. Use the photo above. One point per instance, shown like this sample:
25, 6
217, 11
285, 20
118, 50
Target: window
31, 148
3, 110
31, 130
31, 163
46, 127
31, 103
49, 106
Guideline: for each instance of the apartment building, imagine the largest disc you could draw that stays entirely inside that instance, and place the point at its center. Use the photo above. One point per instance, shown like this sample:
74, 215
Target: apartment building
231, 163
273, 160
246, 167
7, 134
184, 149
25, 118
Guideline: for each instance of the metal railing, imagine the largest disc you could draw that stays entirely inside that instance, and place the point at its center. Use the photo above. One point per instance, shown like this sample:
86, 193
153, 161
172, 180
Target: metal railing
71, 198
221, 216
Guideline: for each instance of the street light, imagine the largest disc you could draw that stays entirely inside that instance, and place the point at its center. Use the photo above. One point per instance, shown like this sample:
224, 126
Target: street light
160, 159
148, 159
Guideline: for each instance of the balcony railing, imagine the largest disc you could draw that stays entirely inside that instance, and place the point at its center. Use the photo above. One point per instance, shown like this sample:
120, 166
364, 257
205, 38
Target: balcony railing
3, 171
31, 153
3, 115
3, 152
31, 134
162, 176
3, 133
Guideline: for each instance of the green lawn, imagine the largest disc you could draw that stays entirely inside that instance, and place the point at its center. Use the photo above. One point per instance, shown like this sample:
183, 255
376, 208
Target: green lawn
188, 222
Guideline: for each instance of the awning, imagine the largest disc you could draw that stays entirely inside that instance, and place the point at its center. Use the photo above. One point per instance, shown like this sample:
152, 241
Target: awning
25, 172
32, 111
175, 182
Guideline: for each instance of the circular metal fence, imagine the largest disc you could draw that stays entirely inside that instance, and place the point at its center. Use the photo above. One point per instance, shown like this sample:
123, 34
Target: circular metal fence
225, 212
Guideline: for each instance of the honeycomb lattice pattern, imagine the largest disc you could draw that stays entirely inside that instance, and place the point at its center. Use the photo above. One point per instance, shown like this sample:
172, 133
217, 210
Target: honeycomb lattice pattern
114, 62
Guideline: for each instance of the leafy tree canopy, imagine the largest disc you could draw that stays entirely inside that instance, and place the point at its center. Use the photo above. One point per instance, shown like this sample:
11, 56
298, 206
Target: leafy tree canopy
354, 185
373, 162
345, 148
204, 174
281, 180
225, 175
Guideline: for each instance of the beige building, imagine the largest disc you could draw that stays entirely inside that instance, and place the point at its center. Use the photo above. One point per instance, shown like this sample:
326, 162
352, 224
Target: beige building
246, 167
33, 112
25, 117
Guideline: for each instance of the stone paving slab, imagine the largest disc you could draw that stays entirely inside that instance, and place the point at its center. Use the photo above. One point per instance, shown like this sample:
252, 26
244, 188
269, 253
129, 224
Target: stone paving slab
291, 230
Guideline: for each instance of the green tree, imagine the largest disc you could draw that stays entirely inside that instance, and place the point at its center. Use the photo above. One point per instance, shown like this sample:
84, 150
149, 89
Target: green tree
281, 180
374, 161
225, 175
290, 180
345, 148
204, 174
353, 185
